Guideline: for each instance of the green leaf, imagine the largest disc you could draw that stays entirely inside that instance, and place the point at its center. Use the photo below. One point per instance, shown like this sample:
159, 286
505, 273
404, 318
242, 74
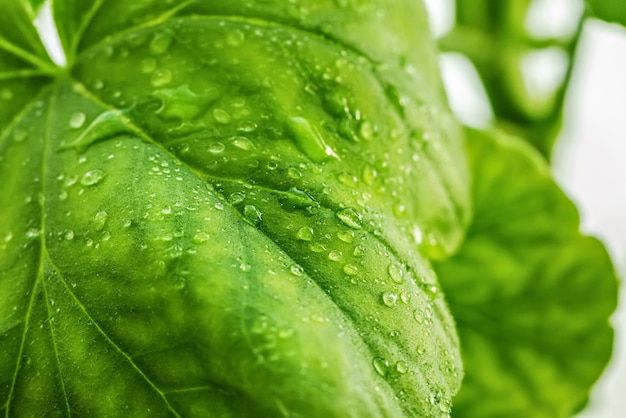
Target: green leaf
494, 36
209, 214
530, 294
608, 10
23, 68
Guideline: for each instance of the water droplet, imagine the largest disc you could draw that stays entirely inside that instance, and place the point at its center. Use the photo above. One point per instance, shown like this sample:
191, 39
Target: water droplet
310, 140
77, 120
359, 250
70, 180
160, 43
32, 233
296, 270
63, 195
100, 220
106, 235
381, 366
305, 233
148, 65
419, 316
221, 116
350, 218
402, 367
366, 130
348, 180
235, 38
236, 198
421, 350
252, 214
161, 77
390, 299
293, 173
216, 148
335, 255
245, 267
92, 177
89, 242
201, 237
369, 175
431, 290
242, 143
405, 297
346, 236
350, 269
246, 126
167, 210
317, 248
396, 273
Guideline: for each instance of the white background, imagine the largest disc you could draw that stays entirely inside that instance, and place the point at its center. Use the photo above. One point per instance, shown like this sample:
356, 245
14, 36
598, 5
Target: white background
590, 156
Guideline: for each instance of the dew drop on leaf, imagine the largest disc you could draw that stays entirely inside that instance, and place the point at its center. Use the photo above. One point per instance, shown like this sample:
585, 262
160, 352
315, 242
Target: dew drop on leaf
246, 126
305, 233
366, 130
350, 217
235, 38
200, 237
346, 236
161, 77
402, 367
100, 220
252, 214
350, 269
369, 175
395, 273
242, 143
216, 148
77, 120
296, 270
309, 140
221, 116
92, 177
390, 299
381, 366
148, 65
317, 248
160, 43
293, 173
335, 255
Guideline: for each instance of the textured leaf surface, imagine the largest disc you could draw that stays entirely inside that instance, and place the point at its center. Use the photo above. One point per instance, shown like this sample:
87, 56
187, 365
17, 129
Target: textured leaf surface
530, 294
210, 214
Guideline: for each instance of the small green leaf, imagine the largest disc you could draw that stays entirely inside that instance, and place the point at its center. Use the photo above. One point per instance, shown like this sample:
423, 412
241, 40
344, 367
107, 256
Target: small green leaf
530, 294
609, 10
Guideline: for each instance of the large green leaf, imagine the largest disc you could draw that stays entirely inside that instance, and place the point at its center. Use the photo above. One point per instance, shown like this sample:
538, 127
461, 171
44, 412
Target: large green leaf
530, 294
211, 214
